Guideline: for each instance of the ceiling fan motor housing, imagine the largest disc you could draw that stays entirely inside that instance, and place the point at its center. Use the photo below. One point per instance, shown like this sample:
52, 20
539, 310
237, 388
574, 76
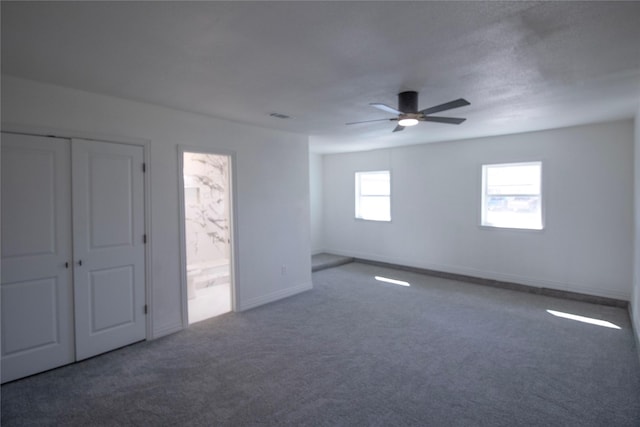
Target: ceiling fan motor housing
408, 102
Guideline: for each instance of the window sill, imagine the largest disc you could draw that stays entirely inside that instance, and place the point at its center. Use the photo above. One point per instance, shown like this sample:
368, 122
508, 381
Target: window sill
372, 220
516, 229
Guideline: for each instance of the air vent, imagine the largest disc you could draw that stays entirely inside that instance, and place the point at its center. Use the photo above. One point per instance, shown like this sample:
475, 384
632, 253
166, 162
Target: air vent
279, 116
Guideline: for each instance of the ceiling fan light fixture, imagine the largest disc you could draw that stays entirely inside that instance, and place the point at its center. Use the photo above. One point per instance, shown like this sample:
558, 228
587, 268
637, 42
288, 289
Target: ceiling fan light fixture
408, 122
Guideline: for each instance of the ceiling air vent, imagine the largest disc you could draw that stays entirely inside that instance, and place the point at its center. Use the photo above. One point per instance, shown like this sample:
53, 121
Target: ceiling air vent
280, 116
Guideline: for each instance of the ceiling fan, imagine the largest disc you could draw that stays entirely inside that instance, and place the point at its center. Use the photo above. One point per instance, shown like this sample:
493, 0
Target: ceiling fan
408, 114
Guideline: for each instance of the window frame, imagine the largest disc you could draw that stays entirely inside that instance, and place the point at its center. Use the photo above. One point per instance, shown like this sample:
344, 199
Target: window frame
484, 199
358, 195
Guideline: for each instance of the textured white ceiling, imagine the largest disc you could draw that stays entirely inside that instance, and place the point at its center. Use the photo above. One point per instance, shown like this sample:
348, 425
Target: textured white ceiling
523, 65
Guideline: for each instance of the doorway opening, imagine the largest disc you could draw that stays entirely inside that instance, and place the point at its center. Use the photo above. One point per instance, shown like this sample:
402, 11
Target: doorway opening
207, 234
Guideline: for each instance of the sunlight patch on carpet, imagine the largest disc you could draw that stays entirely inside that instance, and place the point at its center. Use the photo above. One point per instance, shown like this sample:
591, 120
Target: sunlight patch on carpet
393, 281
584, 319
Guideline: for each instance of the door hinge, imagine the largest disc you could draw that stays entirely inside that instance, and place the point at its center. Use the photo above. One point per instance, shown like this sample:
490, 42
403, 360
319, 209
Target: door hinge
144, 239
146, 309
144, 167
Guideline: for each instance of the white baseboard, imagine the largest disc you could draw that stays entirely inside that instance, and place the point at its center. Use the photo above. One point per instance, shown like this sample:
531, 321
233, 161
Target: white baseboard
275, 296
529, 281
166, 330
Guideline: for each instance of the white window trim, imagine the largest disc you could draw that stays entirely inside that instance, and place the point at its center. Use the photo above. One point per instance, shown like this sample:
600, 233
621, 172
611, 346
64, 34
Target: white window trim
541, 195
357, 194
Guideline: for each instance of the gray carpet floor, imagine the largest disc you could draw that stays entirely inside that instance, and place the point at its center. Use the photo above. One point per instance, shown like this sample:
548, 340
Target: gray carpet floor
359, 352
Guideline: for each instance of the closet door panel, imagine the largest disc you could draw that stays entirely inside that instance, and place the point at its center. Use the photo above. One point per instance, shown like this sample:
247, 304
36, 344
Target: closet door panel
36, 285
108, 218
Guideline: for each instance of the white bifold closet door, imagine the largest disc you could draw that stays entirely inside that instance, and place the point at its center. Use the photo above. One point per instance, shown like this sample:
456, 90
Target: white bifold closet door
108, 246
37, 287
72, 251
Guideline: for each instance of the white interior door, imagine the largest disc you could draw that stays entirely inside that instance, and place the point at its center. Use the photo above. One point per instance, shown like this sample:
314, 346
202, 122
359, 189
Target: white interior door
108, 246
37, 296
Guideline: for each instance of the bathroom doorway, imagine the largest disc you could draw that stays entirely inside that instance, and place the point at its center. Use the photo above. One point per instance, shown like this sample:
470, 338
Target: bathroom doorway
207, 234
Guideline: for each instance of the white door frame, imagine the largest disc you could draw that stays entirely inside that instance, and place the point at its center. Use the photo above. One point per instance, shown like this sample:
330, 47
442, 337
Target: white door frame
92, 136
233, 232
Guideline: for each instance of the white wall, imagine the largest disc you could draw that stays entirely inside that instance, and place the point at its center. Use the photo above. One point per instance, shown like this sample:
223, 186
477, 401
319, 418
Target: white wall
586, 245
315, 193
635, 300
272, 170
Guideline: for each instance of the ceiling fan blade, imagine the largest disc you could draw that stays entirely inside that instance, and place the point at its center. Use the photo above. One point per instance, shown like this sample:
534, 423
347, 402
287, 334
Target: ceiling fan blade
398, 128
369, 121
385, 107
448, 120
446, 106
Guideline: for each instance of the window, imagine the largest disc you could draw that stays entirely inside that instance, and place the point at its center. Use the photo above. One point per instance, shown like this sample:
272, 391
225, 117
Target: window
511, 195
373, 195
